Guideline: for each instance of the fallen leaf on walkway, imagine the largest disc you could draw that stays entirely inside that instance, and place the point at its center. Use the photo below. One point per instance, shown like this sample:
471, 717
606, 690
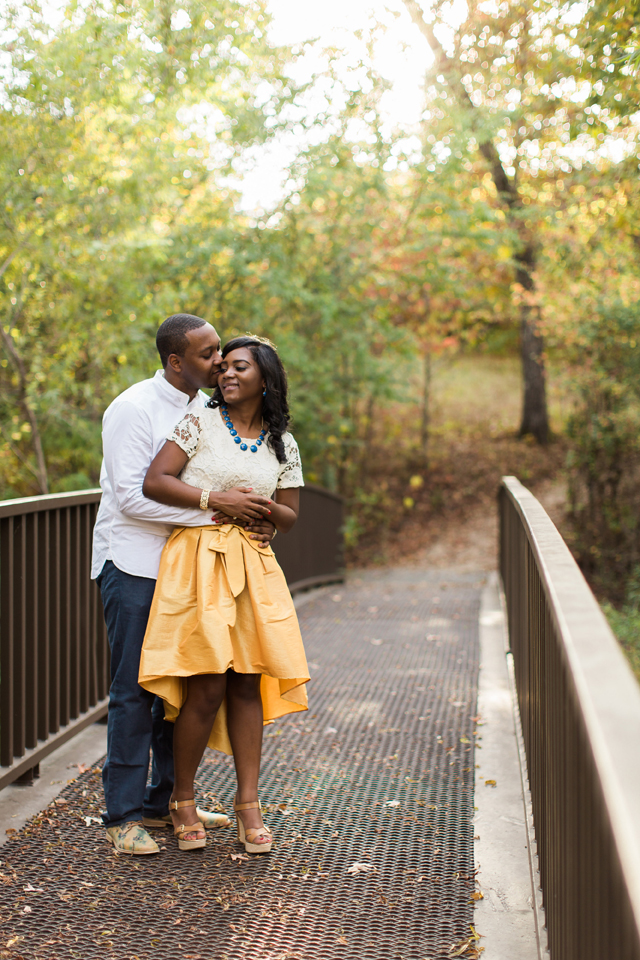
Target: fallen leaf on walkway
392, 803
31, 889
360, 868
238, 856
89, 820
467, 947
342, 940
491, 783
477, 895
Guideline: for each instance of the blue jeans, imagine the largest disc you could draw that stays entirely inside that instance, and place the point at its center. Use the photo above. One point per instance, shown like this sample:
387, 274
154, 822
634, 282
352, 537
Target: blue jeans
136, 717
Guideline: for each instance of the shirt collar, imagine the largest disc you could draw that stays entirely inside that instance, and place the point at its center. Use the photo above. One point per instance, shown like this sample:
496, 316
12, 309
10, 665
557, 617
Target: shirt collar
175, 396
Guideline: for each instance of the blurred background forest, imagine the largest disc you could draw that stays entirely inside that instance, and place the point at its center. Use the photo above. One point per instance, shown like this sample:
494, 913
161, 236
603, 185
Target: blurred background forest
455, 298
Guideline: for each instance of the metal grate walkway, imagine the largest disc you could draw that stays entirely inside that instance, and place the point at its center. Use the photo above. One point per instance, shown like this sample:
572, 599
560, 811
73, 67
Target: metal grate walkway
370, 796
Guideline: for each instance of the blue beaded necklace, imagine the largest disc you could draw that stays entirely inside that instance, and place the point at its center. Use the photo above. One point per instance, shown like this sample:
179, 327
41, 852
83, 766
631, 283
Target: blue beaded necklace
234, 432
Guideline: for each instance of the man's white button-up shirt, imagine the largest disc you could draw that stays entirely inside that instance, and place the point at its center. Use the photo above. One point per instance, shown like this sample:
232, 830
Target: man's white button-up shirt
130, 529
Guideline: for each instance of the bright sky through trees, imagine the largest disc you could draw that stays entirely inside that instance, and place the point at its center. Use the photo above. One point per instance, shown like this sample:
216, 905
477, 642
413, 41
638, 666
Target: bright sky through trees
401, 56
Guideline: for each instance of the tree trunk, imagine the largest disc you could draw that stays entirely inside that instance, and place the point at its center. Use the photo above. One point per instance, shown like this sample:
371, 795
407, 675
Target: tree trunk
534, 407
426, 405
41, 466
534, 399
535, 420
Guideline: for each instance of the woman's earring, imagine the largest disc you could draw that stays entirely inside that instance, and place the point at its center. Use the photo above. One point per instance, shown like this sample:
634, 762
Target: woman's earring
264, 392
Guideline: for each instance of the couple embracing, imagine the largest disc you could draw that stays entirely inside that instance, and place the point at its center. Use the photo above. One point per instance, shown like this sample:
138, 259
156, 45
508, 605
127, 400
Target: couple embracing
205, 643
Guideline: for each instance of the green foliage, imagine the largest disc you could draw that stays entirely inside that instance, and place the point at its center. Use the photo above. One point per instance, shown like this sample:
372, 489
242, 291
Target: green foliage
604, 458
114, 127
624, 620
609, 34
120, 129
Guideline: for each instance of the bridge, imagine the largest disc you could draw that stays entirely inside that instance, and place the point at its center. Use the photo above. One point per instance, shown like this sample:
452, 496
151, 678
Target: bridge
466, 781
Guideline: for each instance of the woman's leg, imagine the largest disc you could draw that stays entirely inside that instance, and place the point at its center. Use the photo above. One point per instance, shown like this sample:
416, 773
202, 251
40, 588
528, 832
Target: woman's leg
205, 693
244, 722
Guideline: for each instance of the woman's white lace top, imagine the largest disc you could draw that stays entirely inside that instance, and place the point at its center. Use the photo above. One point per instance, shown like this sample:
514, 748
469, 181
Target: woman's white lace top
217, 463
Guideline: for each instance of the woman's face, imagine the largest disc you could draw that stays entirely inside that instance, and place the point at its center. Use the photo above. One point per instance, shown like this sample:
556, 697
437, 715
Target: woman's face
240, 377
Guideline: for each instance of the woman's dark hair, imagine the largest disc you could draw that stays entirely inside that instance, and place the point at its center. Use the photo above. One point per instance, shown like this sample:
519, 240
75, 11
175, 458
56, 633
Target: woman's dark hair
275, 407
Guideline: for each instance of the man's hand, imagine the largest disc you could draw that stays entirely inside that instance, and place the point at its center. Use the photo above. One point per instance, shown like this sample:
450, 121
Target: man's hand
262, 530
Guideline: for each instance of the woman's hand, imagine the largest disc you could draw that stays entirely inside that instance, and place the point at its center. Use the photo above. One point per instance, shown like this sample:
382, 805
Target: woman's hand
241, 503
278, 514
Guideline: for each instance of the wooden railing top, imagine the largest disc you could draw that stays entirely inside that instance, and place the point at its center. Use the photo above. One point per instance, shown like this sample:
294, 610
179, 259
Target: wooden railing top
22, 505
50, 501
608, 692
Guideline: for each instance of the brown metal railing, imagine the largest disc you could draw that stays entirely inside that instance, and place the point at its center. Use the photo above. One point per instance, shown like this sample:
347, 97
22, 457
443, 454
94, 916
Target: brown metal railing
54, 665
580, 711
54, 655
311, 553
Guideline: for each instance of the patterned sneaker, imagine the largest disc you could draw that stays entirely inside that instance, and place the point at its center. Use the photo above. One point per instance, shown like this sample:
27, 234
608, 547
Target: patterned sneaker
209, 820
132, 838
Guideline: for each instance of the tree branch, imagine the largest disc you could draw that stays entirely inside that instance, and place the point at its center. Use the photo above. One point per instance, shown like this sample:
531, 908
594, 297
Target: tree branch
10, 347
449, 70
18, 454
5, 266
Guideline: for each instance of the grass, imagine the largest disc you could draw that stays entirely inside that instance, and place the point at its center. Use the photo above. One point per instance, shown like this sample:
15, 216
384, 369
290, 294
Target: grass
484, 392
625, 624
474, 417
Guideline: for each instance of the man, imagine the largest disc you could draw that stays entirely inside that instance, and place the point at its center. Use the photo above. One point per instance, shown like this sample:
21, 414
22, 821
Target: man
128, 538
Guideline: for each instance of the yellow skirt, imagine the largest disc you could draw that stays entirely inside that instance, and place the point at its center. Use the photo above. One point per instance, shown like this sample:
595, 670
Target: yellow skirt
221, 602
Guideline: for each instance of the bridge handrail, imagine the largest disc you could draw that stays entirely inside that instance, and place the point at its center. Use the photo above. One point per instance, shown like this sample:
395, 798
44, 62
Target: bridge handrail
580, 710
54, 655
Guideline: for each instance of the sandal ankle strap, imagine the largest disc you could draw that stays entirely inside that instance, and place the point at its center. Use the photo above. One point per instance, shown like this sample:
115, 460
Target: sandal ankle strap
176, 804
255, 804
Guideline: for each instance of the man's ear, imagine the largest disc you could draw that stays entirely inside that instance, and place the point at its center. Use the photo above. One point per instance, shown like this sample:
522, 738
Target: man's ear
175, 362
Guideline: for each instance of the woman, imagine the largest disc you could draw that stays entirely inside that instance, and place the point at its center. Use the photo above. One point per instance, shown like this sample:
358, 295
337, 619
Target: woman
223, 646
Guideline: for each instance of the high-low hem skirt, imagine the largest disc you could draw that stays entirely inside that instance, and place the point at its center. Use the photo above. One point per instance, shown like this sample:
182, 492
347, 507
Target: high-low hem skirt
221, 602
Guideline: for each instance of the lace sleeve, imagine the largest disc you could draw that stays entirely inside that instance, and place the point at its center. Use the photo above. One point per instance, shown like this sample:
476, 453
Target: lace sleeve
291, 471
186, 434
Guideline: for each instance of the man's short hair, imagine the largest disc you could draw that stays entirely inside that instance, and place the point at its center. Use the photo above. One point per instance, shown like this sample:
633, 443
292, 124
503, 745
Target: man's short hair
172, 334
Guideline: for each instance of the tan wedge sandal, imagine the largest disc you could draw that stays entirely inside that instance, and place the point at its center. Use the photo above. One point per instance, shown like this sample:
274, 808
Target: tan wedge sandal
247, 837
180, 831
